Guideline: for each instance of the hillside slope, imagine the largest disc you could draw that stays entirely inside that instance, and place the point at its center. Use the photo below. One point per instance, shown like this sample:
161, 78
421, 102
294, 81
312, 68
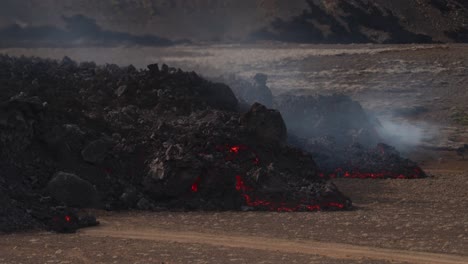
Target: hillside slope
316, 21
373, 21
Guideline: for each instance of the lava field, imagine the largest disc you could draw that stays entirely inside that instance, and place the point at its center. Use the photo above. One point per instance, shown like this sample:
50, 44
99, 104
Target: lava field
78, 135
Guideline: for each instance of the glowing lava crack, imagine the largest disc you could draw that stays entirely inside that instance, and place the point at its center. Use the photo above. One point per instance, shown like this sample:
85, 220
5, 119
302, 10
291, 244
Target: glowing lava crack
247, 193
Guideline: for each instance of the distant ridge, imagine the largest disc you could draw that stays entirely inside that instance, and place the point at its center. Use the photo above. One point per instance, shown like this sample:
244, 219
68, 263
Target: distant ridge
303, 21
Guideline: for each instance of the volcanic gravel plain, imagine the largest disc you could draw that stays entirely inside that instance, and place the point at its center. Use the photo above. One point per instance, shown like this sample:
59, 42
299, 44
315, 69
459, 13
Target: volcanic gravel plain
394, 221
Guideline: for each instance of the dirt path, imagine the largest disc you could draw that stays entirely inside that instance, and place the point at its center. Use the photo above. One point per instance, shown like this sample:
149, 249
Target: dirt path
332, 250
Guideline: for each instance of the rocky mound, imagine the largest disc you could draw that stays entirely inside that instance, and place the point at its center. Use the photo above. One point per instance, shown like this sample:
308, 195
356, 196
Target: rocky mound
80, 135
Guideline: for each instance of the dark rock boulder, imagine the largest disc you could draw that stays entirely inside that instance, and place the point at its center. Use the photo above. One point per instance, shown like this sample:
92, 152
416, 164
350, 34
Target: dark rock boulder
67, 220
72, 190
96, 151
219, 96
266, 124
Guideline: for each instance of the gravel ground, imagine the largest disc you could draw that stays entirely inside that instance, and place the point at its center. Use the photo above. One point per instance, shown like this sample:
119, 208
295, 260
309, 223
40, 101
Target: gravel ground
426, 215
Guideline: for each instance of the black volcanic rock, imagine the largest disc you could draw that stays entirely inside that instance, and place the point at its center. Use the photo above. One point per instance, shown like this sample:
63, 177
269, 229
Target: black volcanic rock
266, 124
72, 190
96, 151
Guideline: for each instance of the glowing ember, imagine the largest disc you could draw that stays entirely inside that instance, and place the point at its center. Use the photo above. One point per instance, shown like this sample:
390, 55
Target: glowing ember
235, 149
233, 153
337, 205
67, 218
240, 185
194, 186
279, 206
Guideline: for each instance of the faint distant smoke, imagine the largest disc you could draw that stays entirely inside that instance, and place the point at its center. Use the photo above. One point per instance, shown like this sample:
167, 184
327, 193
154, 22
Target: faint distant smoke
79, 31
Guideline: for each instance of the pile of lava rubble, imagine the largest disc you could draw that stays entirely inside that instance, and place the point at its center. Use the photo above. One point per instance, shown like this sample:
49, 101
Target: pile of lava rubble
77, 135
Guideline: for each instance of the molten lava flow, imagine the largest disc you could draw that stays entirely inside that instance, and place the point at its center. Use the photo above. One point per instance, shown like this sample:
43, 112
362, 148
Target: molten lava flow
194, 186
337, 205
232, 153
279, 206
240, 185
237, 148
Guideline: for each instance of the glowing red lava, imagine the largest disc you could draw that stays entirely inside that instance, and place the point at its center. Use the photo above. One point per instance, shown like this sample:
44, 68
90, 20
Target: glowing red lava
194, 186
244, 190
280, 206
240, 184
235, 149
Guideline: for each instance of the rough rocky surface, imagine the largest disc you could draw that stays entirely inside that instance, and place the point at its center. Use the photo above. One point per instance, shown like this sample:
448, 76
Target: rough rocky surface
95, 152
171, 141
266, 124
72, 190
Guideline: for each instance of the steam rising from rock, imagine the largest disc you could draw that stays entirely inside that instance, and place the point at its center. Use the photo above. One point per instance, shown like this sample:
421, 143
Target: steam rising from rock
404, 134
